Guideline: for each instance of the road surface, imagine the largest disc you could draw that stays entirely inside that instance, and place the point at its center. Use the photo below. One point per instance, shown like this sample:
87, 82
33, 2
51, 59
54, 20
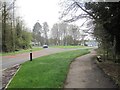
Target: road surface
11, 60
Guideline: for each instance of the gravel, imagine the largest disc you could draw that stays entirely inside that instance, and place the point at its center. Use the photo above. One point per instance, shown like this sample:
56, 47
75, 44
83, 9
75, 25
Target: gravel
8, 74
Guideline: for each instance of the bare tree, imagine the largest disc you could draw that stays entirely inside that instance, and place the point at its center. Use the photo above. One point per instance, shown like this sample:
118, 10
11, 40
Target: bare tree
45, 32
63, 32
74, 32
55, 34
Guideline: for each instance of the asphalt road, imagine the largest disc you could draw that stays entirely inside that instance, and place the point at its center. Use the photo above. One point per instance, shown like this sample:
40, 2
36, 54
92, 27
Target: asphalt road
11, 60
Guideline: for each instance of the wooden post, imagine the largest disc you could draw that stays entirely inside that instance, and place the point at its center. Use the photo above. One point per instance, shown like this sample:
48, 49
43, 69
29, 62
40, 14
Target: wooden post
31, 55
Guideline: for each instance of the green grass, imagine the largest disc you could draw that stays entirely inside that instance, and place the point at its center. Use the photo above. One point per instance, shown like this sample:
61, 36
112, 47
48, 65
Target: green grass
20, 51
45, 72
69, 46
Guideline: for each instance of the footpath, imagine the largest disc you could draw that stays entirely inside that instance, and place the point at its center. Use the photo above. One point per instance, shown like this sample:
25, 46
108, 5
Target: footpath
84, 73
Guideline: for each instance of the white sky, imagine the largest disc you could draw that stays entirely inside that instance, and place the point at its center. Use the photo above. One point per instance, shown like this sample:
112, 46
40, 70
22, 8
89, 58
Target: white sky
43, 10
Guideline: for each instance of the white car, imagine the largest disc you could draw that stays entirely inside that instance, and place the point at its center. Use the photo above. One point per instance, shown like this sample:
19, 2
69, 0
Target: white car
45, 46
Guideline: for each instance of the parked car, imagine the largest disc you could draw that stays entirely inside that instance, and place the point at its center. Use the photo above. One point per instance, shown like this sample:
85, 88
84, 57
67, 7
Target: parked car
45, 46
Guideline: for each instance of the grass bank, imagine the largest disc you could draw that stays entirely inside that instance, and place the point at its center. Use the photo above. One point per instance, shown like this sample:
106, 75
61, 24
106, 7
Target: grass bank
20, 51
45, 72
69, 46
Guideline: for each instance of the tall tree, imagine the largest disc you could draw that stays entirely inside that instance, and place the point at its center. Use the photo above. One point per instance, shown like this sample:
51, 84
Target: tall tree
107, 14
74, 32
45, 32
12, 33
37, 30
55, 34
63, 32
4, 19
103, 13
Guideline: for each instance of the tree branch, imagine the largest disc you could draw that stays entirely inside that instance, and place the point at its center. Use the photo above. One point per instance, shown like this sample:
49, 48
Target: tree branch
77, 3
75, 18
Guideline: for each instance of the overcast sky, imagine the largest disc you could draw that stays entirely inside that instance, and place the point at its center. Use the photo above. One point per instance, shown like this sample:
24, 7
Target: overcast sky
42, 10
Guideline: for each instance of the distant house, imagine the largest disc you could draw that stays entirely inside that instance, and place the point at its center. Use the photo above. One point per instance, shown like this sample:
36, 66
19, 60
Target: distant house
34, 43
91, 43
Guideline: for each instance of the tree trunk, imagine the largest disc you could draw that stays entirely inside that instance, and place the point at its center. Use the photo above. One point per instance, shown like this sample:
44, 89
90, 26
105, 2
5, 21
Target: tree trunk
4, 14
114, 49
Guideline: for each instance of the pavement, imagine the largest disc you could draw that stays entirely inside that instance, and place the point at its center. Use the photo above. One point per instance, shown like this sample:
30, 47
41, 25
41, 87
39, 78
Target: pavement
84, 73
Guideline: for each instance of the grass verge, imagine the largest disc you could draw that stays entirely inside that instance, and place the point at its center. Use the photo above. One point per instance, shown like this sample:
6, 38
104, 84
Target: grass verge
69, 46
45, 72
20, 51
